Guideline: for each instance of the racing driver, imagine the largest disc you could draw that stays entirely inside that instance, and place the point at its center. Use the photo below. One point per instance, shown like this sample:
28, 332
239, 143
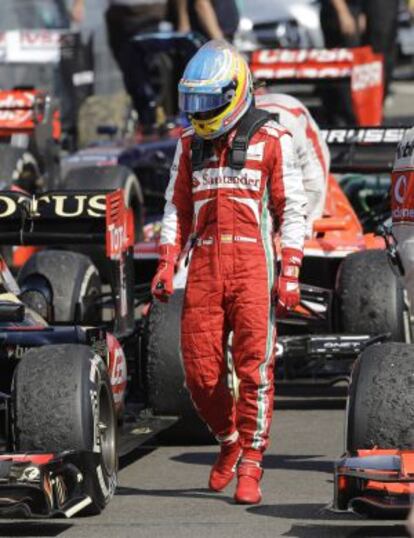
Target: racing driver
310, 148
233, 182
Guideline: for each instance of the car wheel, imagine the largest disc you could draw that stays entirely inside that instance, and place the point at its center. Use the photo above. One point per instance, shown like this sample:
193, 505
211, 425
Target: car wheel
61, 287
62, 400
380, 411
370, 298
167, 394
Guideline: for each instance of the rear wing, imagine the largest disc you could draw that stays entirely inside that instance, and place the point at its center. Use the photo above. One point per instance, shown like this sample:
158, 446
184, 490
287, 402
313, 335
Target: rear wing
53, 218
359, 67
74, 218
363, 150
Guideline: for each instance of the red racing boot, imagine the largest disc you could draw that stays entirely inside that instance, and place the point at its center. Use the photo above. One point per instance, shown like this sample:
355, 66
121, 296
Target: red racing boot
248, 490
225, 465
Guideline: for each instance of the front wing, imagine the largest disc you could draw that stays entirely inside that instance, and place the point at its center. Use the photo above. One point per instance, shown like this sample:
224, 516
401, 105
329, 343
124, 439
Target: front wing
45, 485
375, 483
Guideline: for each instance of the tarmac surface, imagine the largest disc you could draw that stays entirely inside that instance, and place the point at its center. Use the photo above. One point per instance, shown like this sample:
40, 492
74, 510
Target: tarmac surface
163, 489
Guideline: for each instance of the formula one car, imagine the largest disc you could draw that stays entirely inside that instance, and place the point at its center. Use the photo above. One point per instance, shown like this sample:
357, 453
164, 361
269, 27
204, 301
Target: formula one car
65, 373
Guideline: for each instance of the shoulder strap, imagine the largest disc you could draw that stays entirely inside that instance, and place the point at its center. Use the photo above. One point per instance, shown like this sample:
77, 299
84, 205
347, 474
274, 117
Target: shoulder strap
249, 124
200, 151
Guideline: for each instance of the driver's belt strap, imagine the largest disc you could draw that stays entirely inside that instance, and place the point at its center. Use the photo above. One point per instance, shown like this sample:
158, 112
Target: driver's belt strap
201, 150
248, 126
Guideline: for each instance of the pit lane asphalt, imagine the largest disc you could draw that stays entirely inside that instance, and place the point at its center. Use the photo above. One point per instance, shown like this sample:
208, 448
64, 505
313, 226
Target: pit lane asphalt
163, 492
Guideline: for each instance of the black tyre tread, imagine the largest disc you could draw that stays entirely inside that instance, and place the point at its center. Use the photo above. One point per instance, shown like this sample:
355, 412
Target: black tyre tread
167, 394
370, 297
381, 398
165, 375
44, 400
65, 272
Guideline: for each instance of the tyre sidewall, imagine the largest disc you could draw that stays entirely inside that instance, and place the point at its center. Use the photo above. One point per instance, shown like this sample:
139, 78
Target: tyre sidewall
352, 405
99, 482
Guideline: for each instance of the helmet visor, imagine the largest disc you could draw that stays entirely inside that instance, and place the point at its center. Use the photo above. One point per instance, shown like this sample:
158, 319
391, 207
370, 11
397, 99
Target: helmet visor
191, 103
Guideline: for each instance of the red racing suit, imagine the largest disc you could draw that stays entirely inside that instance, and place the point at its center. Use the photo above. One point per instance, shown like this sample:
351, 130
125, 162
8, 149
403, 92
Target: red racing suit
230, 214
402, 204
310, 148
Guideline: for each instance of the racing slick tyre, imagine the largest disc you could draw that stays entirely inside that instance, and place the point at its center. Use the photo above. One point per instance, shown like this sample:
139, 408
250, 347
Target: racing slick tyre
370, 298
19, 167
62, 400
380, 411
166, 390
62, 287
99, 111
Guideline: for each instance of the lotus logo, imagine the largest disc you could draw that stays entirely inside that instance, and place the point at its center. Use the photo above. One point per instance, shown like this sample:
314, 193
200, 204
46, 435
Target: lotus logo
400, 189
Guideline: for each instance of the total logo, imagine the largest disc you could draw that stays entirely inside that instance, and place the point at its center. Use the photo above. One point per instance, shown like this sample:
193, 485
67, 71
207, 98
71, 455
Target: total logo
117, 239
400, 188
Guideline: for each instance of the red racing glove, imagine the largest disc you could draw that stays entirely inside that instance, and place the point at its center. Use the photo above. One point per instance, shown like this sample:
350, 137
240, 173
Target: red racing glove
162, 283
288, 291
